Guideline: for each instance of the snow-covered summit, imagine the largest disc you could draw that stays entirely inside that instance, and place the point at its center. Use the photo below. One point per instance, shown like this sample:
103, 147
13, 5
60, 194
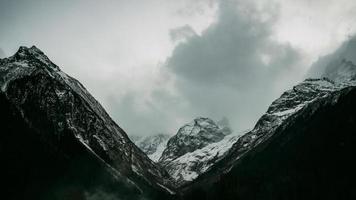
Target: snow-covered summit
196, 146
194, 135
24, 62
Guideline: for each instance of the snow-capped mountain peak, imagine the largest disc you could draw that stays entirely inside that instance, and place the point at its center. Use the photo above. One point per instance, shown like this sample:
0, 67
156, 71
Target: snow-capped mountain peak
196, 146
194, 135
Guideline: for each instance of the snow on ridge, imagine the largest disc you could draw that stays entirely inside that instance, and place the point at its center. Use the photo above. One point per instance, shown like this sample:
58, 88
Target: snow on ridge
289, 104
158, 153
191, 165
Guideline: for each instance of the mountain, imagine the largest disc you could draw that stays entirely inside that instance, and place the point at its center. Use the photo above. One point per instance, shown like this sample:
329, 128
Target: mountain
195, 147
302, 148
57, 141
189, 166
194, 135
153, 146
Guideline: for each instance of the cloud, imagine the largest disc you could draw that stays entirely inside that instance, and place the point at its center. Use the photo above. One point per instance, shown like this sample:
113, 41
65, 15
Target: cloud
181, 33
225, 57
326, 65
234, 68
2, 54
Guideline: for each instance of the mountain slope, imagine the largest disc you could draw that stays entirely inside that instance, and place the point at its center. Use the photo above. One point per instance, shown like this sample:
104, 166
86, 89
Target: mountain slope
51, 117
189, 166
302, 148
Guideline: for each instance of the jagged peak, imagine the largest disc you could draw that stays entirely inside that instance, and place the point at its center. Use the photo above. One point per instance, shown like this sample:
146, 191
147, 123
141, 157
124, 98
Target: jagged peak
28, 54
24, 51
194, 127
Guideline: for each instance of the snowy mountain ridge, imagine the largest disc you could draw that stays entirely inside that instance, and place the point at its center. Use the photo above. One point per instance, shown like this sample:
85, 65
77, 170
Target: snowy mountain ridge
307, 94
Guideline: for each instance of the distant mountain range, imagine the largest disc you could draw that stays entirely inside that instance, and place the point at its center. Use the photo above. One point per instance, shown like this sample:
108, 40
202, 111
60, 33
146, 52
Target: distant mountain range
57, 142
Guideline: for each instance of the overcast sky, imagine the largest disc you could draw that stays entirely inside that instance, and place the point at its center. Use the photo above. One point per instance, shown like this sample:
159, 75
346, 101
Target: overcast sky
157, 64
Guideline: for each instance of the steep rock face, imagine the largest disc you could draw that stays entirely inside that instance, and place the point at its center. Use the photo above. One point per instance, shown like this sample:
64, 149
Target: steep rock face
153, 146
62, 121
302, 148
194, 148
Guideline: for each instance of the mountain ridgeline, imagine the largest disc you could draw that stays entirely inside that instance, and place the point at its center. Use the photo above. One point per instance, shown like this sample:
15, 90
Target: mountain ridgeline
57, 142
302, 148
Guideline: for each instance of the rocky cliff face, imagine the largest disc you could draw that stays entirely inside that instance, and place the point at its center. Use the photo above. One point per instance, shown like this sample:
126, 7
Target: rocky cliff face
301, 148
48, 114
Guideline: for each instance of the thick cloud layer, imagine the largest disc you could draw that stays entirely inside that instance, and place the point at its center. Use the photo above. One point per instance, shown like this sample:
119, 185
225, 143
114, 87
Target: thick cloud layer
233, 68
155, 65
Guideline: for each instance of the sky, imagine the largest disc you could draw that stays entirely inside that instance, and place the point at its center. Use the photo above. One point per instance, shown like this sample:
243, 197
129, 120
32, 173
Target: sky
157, 64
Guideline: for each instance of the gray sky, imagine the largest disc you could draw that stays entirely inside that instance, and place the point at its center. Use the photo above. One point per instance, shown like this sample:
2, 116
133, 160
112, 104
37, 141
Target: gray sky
157, 64
2, 54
